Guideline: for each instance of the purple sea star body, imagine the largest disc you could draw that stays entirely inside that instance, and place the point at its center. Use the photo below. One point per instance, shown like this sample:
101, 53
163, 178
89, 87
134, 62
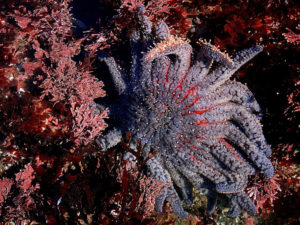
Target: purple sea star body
204, 127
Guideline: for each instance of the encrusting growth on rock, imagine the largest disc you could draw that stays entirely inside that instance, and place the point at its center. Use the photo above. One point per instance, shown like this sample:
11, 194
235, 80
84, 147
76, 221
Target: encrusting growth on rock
204, 127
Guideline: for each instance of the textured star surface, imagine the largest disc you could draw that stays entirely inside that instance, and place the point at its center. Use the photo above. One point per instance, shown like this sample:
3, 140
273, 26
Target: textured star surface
204, 127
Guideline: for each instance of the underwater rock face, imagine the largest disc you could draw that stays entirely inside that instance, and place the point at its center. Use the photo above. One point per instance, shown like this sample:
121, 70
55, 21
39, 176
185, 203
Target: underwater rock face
204, 127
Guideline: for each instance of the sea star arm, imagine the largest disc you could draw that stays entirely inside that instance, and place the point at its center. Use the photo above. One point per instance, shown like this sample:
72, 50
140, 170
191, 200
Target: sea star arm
239, 139
145, 23
159, 201
155, 84
172, 46
258, 158
136, 58
234, 92
239, 94
162, 31
211, 51
240, 201
139, 41
175, 203
234, 182
187, 163
235, 136
235, 208
238, 185
158, 172
181, 182
202, 183
195, 74
223, 73
109, 140
246, 120
228, 155
117, 76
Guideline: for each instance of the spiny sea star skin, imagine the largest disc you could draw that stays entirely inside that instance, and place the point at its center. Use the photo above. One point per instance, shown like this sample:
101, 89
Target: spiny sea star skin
204, 127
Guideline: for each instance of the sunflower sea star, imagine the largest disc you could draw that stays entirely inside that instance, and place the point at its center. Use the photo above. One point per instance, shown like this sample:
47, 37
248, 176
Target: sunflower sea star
204, 127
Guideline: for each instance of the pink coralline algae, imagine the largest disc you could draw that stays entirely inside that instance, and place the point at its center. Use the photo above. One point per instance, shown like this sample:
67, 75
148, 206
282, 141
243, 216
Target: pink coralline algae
292, 37
204, 127
21, 189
